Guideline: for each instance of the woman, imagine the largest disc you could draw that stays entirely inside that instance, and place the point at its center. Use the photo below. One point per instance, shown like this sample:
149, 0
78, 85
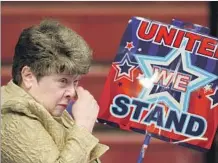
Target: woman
48, 63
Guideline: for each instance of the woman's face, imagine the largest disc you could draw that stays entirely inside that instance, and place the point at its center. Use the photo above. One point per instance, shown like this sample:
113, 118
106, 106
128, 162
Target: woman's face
54, 92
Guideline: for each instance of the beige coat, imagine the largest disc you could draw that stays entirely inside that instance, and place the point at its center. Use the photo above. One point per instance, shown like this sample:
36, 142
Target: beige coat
29, 134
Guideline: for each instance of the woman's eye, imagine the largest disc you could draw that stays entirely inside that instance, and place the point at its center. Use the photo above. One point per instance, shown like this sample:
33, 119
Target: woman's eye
76, 82
63, 80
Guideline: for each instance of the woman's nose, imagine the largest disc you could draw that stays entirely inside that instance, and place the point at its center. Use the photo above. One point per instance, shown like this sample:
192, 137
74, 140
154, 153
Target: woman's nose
71, 93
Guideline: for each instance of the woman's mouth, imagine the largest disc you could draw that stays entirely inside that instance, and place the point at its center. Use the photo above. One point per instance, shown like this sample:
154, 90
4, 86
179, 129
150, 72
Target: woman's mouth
63, 105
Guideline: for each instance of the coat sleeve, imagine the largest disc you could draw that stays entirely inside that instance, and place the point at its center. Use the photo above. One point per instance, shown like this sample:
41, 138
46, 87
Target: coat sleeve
27, 141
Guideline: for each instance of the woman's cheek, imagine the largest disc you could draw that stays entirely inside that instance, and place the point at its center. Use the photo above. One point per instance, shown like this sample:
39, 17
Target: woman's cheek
60, 93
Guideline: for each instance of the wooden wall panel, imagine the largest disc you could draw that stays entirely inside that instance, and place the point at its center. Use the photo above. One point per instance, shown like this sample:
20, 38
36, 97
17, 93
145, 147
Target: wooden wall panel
125, 147
101, 24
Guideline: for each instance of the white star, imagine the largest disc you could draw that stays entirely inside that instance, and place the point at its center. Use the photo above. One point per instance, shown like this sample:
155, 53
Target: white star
139, 49
130, 21
207, 88
129, 75
203, 77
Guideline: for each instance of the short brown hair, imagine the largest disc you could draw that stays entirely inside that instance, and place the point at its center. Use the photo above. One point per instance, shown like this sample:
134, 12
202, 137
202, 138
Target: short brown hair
50, 48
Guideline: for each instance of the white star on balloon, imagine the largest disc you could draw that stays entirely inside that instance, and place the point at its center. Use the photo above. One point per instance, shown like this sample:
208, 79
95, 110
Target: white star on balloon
125, 60
203, 77
207, 88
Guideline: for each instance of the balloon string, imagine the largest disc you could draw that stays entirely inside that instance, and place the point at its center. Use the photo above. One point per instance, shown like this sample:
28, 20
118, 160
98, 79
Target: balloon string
144, 148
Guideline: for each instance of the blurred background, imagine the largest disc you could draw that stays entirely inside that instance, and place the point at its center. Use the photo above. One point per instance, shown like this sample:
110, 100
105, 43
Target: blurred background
102, 25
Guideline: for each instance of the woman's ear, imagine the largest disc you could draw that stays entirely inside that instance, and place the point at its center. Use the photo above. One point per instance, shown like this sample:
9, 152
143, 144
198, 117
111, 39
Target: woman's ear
28, 77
